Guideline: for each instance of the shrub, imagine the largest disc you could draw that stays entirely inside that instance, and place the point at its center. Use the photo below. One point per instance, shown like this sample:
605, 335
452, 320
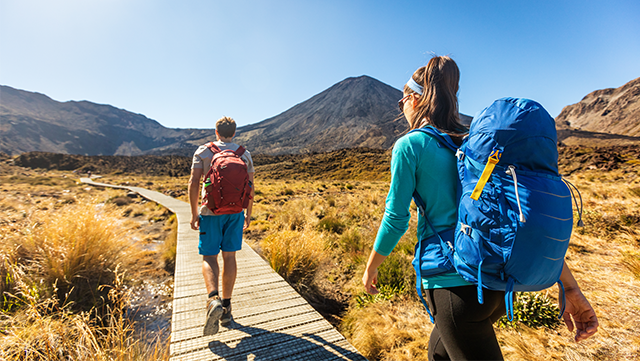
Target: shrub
45, 332
397, 273
294, 255
120, 201
386, 293
76, 250
632, 262
331, 201
168, 247
331, 224
534, 310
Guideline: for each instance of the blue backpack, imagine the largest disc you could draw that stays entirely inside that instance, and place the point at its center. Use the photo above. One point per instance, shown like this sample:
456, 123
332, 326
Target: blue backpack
515, 213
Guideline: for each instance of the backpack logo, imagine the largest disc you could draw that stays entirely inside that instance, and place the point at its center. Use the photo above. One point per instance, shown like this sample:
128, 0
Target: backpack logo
226, 184
515, 214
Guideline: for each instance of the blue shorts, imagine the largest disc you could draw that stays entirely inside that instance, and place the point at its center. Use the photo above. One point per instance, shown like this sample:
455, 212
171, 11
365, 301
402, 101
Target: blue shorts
223, 232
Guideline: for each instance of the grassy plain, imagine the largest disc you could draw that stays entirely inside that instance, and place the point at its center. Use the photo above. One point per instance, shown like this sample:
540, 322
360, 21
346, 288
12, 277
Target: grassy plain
317, 233
73, 263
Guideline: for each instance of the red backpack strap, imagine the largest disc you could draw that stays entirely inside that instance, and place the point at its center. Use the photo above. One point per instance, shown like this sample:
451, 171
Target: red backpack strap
212, 147
240, 151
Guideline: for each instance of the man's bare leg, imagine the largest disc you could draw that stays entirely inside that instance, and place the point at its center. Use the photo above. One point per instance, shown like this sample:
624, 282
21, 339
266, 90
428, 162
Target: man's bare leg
229, 273
211, 272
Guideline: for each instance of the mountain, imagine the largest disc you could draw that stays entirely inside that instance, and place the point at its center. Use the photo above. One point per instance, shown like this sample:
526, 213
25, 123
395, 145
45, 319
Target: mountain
612, 110
359, 112
34, 122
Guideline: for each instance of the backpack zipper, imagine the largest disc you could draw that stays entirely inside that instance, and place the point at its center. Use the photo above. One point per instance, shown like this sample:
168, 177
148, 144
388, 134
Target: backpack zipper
512, 172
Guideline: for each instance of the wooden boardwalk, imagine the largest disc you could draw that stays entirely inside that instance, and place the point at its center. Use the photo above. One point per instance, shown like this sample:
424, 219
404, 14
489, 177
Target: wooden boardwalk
271, 320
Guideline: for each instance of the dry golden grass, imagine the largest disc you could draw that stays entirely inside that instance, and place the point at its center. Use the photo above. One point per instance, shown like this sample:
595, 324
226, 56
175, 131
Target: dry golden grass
287, 213
397, 330
43, 331
64, 252
294, 255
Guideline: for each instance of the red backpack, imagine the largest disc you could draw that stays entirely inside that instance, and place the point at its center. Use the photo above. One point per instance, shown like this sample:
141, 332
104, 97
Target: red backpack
226, 184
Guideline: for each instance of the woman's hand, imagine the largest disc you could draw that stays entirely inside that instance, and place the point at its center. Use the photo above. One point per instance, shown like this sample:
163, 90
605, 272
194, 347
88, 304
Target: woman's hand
579, 314
369, 279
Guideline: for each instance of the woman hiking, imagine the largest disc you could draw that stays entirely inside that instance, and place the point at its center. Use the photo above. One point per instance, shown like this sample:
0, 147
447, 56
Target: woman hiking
463, 327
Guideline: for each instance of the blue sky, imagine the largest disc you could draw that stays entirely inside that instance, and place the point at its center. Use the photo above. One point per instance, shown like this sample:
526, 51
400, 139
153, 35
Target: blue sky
186, 64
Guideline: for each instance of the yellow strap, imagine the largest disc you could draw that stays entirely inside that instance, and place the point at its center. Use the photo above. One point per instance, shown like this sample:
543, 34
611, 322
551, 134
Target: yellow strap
494, 158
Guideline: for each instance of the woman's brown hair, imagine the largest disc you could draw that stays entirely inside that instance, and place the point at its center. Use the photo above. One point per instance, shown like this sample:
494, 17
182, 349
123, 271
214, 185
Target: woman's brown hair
438, 104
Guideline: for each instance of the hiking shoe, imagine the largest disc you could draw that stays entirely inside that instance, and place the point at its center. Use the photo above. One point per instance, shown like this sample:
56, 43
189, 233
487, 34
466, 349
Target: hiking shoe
226, 318
214, 311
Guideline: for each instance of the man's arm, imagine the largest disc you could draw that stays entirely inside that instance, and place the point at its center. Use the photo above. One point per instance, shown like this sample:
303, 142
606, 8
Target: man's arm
577, 307
247, 216
194, 196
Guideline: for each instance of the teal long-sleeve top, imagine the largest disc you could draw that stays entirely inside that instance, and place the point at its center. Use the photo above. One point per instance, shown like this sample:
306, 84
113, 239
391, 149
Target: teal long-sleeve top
419, 162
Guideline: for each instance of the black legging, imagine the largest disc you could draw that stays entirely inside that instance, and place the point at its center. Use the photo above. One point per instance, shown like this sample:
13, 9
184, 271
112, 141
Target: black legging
464, 328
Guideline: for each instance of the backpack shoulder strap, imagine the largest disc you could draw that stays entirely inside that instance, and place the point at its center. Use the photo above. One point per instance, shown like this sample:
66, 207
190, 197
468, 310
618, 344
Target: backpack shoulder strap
240, 151
214, 148
442, 138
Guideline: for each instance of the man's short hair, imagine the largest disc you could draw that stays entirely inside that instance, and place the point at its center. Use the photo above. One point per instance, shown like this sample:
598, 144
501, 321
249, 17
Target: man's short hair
226, 127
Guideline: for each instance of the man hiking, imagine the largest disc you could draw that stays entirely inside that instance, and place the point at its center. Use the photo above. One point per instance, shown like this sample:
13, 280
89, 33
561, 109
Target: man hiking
220, 218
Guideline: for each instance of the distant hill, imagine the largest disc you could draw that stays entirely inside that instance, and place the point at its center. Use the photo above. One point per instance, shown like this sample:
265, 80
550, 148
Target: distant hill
35, 122
611, 111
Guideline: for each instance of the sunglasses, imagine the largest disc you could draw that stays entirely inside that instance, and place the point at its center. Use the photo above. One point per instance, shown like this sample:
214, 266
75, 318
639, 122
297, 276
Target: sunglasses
401, 103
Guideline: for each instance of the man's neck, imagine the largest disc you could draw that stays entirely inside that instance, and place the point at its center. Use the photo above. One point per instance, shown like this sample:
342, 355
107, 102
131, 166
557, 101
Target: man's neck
225, 140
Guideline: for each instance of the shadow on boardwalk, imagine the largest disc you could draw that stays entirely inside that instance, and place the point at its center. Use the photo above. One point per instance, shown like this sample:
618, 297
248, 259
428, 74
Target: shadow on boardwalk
264, 345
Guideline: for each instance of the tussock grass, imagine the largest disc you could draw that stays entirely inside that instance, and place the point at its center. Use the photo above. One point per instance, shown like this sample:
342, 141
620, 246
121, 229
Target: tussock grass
168, 247
63, 290
294, 255
389, 330
76, 251
44, 331
632, 261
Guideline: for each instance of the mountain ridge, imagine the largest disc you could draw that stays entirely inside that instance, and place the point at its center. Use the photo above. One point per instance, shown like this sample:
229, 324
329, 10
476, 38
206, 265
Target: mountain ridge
357, 112
610, 110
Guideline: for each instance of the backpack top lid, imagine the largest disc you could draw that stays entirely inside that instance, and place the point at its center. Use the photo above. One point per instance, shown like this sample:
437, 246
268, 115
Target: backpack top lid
522, 129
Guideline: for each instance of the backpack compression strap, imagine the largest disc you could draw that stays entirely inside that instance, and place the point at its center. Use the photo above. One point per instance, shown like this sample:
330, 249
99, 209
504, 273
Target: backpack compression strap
447, 248
240, 151
212, 147
442, 138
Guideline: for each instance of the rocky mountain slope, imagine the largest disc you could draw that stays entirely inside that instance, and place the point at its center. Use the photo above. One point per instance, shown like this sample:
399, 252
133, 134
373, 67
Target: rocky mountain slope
34, 122
612, 110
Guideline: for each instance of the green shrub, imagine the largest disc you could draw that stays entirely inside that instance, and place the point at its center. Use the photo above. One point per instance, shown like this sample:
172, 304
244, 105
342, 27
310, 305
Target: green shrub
331, 201
120, 201
386, 293
534, 310
331, 224
397, 272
